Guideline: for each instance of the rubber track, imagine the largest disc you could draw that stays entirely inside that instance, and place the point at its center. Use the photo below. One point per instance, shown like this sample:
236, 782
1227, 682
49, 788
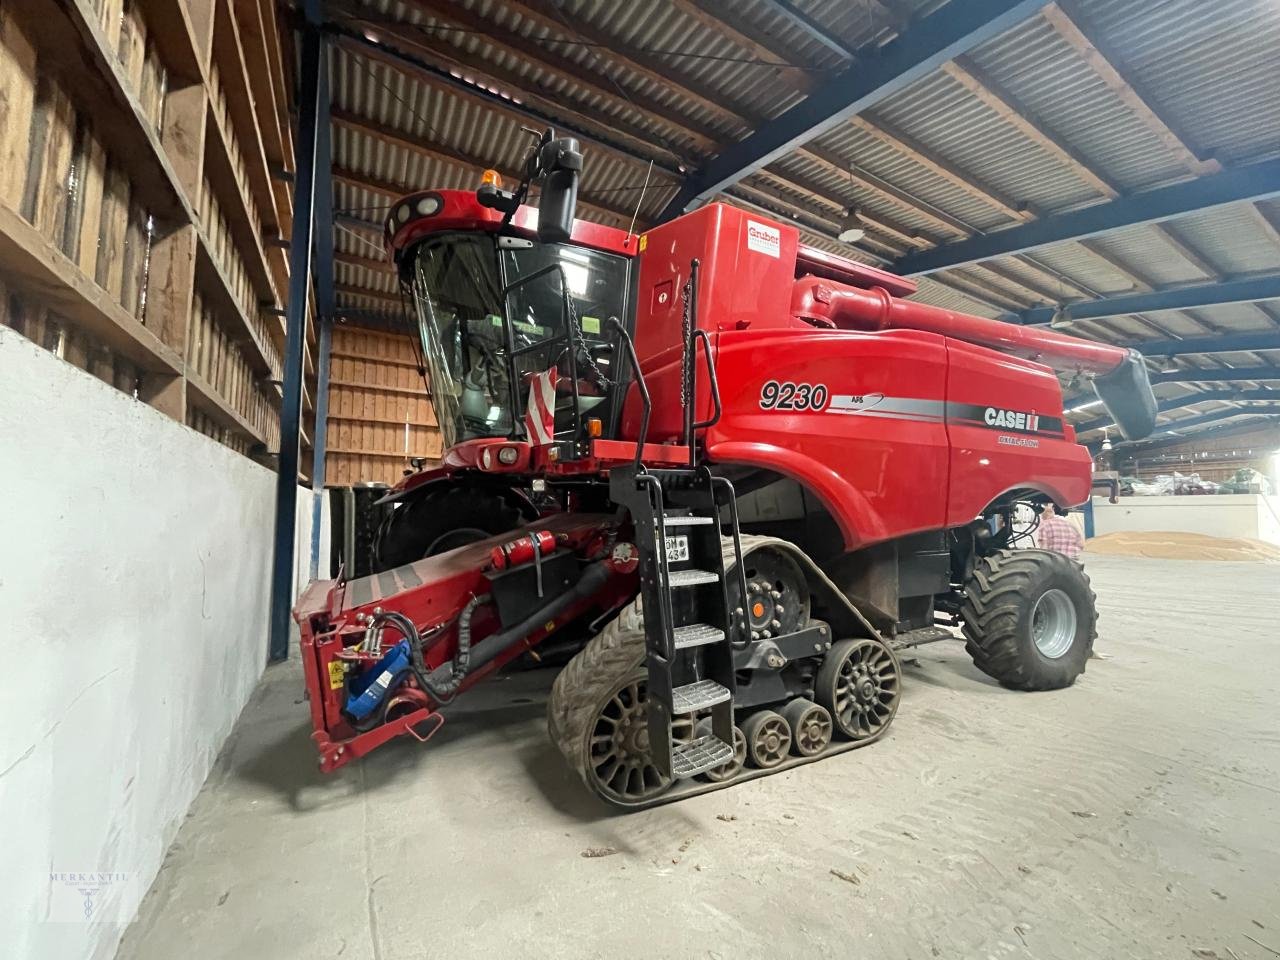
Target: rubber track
993, 604
617, 651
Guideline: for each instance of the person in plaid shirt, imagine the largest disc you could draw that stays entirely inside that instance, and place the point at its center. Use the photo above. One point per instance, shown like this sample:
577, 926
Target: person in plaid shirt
1059, 534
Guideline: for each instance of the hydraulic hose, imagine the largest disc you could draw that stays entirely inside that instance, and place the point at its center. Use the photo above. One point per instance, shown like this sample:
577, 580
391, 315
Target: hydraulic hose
443, 683
592, 579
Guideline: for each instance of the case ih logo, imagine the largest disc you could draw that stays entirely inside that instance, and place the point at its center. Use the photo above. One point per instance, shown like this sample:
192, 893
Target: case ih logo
1011, 419
764, 239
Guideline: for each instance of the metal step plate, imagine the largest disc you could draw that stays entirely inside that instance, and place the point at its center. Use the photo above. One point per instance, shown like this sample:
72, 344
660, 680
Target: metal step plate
686, 521
698, 696
696, 634
691, 578
699, 756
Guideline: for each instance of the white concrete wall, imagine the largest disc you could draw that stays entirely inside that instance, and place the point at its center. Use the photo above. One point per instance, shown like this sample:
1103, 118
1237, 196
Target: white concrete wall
134, 584
1229, 515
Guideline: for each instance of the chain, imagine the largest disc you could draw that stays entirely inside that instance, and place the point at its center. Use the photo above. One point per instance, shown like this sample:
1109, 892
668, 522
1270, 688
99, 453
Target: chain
603, 381
686, 324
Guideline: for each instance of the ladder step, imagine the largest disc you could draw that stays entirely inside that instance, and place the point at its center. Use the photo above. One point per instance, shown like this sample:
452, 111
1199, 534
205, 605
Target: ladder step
699, 756
691, 578
696, 634
698, 696
684, 521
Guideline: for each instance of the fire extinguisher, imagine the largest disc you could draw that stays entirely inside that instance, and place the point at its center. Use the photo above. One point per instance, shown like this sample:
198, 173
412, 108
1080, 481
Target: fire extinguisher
523, 549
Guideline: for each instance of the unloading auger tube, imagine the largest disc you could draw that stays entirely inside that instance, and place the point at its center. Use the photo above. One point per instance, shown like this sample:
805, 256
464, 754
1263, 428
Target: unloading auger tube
1119, 375
610, 668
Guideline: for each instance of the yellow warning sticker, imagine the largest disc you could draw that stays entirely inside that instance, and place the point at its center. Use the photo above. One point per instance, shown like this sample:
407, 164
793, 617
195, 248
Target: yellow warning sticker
337, 674
644, 241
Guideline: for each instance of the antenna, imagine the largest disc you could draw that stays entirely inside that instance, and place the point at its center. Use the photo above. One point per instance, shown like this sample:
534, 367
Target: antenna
643, 189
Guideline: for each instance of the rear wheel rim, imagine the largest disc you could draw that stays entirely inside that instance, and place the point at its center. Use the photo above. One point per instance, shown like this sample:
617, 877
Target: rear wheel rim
1053, 623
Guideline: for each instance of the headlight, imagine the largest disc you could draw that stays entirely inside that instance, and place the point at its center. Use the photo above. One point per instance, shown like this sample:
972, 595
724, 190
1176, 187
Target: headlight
428, 206
486, 458
402, 213
507, 455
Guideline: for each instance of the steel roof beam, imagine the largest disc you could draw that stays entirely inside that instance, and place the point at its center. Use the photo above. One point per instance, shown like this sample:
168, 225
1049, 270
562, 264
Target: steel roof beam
1162, 442
951, 30
1268, 410
1177, 403
1255, 181
1218, 343
811, 28
1217, 374
1180, 298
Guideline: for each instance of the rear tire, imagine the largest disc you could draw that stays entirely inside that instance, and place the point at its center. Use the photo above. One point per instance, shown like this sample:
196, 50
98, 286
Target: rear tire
440, 521
1029, 619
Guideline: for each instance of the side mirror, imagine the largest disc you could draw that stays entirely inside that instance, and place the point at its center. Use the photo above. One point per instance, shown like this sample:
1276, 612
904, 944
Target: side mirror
559, 164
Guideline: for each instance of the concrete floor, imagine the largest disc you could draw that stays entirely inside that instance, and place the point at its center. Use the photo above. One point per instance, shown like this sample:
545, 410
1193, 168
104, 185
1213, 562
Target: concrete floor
1134, 815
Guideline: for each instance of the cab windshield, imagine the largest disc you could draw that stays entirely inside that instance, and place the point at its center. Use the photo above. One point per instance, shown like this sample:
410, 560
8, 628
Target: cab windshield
478, 343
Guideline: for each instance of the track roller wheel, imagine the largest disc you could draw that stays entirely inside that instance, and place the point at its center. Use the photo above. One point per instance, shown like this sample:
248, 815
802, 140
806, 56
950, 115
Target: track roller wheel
810, 727
859, 684
733, 767
768, 738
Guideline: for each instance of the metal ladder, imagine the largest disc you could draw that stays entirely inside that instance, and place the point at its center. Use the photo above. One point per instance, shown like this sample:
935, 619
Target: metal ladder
690, 627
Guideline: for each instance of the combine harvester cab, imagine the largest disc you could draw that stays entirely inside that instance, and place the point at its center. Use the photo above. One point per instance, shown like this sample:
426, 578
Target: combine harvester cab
759, 466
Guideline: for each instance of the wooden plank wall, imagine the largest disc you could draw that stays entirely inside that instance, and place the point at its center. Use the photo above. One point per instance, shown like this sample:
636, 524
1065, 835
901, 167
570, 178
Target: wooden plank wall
379, 414
135, 193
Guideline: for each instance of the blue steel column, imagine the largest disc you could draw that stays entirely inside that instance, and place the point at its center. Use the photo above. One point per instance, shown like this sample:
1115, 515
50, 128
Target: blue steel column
311, 62
323, 246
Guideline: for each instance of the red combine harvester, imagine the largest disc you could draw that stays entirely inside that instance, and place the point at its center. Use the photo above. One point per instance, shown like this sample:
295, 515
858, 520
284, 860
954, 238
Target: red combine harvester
754, 463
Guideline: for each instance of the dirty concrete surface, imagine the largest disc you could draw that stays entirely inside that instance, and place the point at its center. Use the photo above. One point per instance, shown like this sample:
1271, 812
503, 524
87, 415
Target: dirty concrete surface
1134, 815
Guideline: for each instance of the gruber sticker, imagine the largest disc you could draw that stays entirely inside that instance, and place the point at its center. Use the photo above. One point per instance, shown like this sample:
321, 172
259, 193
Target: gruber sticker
764, 239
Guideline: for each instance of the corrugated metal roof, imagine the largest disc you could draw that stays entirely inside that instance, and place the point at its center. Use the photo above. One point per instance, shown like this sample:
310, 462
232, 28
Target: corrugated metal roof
1039, 68
1212, 66
665, 79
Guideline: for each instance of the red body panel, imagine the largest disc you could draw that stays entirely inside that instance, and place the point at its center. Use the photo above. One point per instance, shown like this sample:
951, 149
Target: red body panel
460, 210
880, 475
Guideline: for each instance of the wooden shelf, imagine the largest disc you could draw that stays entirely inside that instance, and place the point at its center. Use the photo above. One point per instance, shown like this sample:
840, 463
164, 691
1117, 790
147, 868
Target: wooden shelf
228, 53
174, 37
70, 31
220, 172
210, 401
211, 279
237, 85
36, 266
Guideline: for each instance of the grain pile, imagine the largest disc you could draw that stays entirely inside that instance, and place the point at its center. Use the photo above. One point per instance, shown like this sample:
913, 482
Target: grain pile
1168, 545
